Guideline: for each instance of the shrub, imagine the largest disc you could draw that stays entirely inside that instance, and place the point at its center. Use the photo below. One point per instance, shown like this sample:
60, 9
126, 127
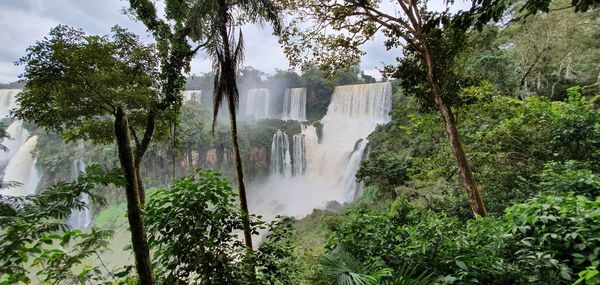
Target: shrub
193, 229
548, 240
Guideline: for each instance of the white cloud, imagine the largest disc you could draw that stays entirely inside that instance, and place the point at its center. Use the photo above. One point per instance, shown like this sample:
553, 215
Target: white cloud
23, 22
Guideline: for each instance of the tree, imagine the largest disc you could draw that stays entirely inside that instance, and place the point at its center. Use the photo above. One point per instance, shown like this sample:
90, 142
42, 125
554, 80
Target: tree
32, 236
222, 17
202, 244
203, 247
541, 54
357, 22
84, 87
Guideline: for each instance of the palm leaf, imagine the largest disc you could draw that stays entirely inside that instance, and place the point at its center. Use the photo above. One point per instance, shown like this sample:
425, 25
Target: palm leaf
343, 269
407, 275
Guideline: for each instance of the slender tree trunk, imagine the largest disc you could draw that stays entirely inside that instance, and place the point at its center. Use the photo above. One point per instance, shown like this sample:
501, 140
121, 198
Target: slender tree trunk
240, 176
141, 149
134, 212
229, 72
475, 200
140, 184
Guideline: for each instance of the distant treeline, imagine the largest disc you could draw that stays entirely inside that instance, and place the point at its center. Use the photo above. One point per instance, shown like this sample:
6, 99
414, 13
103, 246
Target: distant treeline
12, 85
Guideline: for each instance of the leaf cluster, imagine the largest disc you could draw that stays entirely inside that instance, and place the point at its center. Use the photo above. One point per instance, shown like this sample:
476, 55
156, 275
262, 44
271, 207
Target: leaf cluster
32, 232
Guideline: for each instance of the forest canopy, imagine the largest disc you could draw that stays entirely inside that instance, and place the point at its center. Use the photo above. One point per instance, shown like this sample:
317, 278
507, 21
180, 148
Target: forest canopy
471, 157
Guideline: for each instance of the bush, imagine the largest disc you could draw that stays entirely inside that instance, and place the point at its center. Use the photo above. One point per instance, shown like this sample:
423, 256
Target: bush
508, 143
543, 241
193, 229
384, 170
570, 176
556, 237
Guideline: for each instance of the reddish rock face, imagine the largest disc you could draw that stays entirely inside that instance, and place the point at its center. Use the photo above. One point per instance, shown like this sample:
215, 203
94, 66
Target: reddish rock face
258, 157
211, 156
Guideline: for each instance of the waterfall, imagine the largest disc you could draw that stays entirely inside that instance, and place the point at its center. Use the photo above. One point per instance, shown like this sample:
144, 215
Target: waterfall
7, 101
281, 162
18, 136
329, 163
362, 101
299, 151
258, 103
18, 162
21, 168
294, 104
349, 180
192, 95
80, 219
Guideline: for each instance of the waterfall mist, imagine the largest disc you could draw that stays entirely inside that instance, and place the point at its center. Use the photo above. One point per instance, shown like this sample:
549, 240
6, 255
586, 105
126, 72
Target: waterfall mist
18, 163
80, 219
7, 101
258, 103
21, 168
192, 95
18, 136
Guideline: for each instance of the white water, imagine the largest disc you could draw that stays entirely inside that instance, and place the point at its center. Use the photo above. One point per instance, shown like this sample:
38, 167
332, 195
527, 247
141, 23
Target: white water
258, 102
192, 95
299, 151
18, 136
294, 104
21, 168
331, 163
281, 162
80, 219
7, 101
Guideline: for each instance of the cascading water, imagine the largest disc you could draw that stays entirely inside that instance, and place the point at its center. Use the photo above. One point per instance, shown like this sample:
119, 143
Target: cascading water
258, 103
281, 162
192, 95
7, 101
18, 136
294, 104
330, 163
80, 219
299, 151
21, 168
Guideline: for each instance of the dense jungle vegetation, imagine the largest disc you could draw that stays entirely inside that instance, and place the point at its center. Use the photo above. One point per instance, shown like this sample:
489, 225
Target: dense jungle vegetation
521, 83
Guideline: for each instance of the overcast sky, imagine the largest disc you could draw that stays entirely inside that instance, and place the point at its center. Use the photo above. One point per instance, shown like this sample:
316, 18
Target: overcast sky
22, 22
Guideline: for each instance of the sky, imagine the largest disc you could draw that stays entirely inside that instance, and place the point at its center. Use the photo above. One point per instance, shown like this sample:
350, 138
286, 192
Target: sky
23, 22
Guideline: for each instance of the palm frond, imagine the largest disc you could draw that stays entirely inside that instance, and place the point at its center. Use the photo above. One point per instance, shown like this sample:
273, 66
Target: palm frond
408, 274
238, 54
343, 269
218, 95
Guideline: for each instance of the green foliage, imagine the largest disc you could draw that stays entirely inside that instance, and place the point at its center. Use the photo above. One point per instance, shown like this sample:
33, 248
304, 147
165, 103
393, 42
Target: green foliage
3, 136
543, 241
203, 245
556, 236
570, 176
446, 45
543, 54
274, 260
408, 275
383, 170
343, 269
510, 143
68, 77
32, 234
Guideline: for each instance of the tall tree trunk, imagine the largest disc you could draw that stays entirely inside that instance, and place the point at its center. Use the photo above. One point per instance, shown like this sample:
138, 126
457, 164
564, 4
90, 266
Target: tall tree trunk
228, 73
134, 212
475, 200
240, 176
